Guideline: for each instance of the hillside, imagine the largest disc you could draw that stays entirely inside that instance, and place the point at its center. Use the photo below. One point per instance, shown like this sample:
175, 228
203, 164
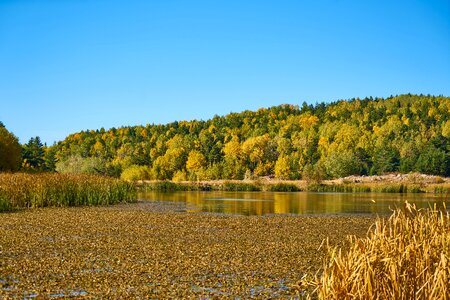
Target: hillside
349, 137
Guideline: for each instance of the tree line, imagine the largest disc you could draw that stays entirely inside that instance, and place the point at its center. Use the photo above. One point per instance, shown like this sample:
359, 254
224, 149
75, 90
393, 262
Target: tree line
405, 133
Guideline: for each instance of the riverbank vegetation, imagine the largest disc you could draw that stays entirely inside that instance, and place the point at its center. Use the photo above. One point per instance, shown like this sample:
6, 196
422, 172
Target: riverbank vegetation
405, 257
411, 183
22, 190
371, 136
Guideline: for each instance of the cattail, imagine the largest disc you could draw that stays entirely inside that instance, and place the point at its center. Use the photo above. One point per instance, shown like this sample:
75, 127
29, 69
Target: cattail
405, 257
40, 190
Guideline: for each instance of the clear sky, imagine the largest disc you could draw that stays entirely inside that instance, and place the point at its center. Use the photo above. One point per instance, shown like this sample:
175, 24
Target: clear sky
72, 65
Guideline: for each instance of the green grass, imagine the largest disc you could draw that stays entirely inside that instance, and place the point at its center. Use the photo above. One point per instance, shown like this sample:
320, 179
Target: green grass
166, 186
169, 186
240, 187
360, 188
40, 190
283, 187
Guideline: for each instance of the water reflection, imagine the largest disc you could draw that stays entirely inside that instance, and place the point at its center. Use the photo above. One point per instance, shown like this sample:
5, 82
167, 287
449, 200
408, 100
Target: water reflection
261, 203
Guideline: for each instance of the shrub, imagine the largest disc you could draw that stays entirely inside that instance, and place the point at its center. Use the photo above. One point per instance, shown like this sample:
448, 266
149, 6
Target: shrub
134, 173
180, 176
76, 164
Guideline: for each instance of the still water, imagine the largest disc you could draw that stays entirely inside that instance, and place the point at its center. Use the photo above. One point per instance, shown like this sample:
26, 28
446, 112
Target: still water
262, 203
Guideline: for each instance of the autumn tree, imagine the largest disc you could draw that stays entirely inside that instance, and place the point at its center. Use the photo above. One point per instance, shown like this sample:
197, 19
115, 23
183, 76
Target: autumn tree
403, 133
195, 163
10, 150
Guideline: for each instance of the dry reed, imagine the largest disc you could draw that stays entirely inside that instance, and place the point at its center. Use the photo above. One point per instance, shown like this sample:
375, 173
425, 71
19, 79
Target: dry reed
405, 257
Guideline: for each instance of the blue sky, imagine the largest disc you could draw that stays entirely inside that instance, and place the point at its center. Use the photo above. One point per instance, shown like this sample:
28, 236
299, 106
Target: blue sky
72, 65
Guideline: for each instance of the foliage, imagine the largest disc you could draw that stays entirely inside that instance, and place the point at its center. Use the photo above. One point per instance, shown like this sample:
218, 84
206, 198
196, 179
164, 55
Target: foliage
342, 164
10, 151
134, 173
76, 164
40, 190
407, 133
405, 257
33, 155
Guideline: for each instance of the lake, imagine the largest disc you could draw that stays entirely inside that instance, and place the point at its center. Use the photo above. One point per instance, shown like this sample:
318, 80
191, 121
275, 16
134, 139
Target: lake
263, 203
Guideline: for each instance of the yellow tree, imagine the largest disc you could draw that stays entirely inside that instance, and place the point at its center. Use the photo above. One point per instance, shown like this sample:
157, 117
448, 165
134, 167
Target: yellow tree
260, 154
195, 163
283, 167
10, 151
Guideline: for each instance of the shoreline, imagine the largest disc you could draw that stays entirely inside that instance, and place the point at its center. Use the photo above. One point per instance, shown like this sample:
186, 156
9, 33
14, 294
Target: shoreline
390, 183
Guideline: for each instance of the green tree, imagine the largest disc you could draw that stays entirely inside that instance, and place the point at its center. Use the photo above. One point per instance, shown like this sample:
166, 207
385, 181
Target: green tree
342, 164
385, 160
33, 155
433, 161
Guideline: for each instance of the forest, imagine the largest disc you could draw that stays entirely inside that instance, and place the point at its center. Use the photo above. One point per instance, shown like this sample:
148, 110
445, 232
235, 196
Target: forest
405, 133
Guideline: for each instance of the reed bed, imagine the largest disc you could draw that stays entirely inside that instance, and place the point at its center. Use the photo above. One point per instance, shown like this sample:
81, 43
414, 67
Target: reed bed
293, 186
240, 187
405, 257
169, 186
368, 188
22, 190
283, 187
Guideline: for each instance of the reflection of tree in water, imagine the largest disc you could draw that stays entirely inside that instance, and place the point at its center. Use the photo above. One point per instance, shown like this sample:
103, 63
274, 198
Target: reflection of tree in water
262, 203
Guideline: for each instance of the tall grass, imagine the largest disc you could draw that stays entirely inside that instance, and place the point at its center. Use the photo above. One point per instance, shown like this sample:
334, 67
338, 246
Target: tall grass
239, 187
283, 187
366, 188
169, 186
405, 257
40, 190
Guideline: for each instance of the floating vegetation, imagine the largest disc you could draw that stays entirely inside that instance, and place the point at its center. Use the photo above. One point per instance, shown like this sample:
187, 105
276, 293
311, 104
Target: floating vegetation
405, 257
41, 190
144, 250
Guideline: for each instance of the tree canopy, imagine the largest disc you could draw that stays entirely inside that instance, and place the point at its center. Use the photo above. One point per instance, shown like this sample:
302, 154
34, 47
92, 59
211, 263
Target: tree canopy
10, 150
358, 136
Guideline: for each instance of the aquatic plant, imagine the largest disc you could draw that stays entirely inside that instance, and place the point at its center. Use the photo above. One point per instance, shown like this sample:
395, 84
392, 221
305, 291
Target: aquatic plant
283, 187
40, 190
147, 250
239, 187
366, 188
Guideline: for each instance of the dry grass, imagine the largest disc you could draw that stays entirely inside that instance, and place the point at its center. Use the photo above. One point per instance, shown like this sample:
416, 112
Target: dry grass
148, 250
405, 257
40, 190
